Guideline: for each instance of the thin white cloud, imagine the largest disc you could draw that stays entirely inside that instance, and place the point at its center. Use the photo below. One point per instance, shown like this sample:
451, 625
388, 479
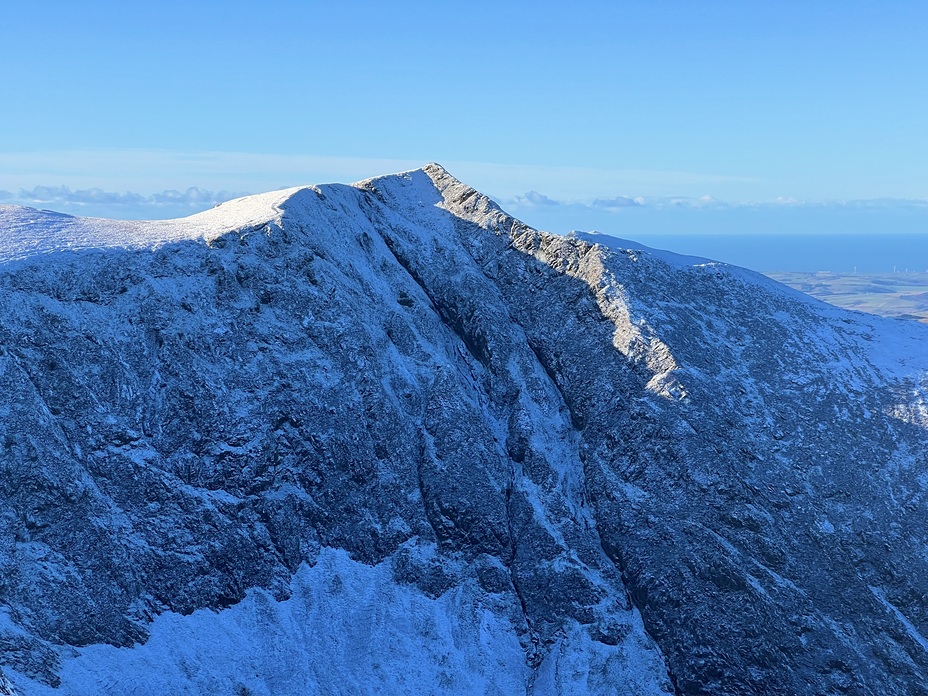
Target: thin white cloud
588, 183
119, 183
161, 170
193, 197
152, 170
534, 198
709, 203
618, 202
63, 194
98, 202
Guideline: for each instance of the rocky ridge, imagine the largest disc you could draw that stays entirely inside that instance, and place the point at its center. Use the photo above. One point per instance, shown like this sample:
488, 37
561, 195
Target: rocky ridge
596, 467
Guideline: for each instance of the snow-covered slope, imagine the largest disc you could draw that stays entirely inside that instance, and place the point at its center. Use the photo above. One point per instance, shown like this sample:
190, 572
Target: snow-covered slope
385, 438
26, 232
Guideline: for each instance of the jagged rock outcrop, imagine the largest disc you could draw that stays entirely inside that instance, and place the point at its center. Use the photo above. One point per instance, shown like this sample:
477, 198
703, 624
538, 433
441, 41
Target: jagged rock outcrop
556, 464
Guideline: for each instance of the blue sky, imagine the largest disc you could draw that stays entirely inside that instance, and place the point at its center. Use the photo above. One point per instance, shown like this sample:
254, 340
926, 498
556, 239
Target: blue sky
706, 115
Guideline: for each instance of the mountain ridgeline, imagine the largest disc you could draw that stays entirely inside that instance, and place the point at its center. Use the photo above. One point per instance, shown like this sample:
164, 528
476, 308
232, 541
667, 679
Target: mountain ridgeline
384, 438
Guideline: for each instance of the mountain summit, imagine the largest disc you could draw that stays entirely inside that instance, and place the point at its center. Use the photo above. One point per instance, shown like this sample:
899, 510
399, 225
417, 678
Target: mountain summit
385, 438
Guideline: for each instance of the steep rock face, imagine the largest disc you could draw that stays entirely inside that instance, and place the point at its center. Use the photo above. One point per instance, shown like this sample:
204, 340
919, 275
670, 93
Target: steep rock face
546, 439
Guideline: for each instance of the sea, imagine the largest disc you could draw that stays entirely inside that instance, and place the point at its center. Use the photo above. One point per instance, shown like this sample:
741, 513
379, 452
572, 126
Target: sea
836, 253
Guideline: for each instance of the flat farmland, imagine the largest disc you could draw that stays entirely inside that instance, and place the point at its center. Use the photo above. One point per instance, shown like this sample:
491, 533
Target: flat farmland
902, 295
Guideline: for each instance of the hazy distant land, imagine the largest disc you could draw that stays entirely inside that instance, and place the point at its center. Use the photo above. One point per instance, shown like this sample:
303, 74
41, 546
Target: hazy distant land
903, 295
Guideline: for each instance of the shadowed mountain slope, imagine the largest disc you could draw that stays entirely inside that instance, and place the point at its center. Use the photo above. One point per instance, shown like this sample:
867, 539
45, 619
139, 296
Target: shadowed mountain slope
386, 437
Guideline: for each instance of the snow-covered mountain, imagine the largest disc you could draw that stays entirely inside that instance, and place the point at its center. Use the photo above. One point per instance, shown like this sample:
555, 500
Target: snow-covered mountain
384, 438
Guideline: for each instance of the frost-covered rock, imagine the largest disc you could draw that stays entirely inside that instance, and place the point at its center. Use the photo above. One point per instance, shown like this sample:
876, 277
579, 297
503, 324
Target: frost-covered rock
385, 438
